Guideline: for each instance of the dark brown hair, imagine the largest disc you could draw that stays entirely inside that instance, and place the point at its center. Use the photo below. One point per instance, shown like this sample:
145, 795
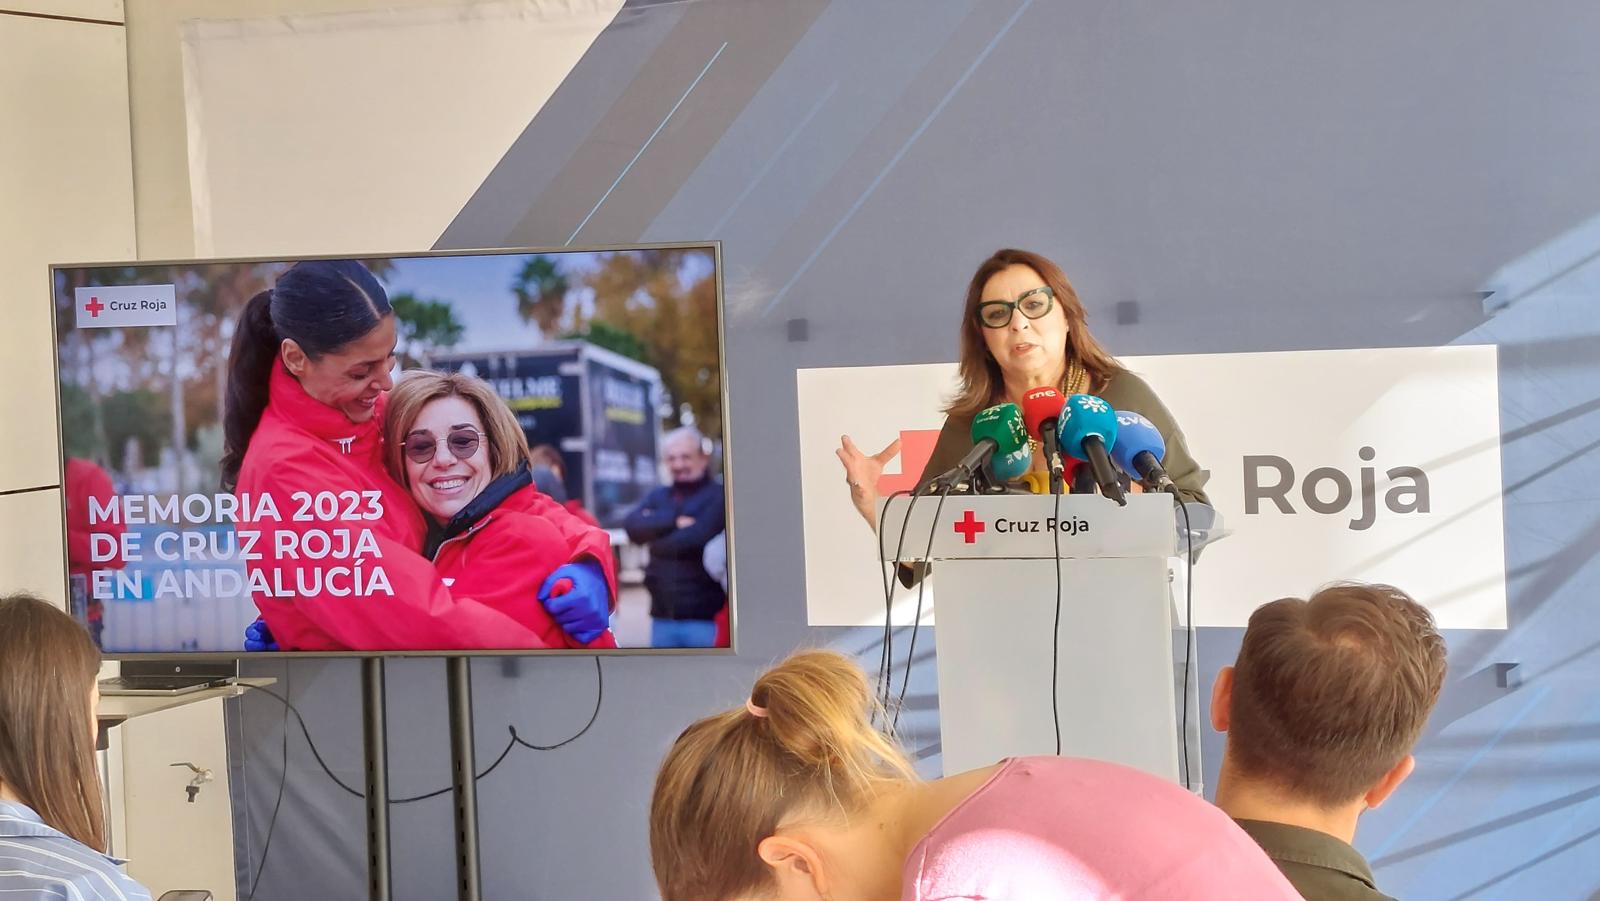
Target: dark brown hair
48, 667
732, 778
546, 455
321, 305
981, 384
1329, 694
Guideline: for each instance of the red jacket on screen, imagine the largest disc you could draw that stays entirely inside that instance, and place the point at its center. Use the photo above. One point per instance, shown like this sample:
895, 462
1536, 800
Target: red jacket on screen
85, 480
303, 445
506, 556
576, 508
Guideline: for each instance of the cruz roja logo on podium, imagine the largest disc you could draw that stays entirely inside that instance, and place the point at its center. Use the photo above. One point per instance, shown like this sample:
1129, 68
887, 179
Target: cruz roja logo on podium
969, 526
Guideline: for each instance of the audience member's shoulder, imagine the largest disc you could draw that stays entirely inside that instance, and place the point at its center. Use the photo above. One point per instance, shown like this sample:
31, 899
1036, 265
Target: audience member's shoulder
1321, 867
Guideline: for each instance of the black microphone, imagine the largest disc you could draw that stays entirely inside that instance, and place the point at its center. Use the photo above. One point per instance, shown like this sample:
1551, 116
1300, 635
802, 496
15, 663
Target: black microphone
1083, 481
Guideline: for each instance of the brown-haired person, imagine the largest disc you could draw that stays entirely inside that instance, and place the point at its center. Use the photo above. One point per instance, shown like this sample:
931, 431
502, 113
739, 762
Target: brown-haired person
547, 460
1321, 711
52, 829
794, 795
1023, 327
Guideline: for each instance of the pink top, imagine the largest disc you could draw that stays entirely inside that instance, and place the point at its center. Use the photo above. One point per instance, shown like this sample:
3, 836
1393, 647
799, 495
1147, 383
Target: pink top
1046, 828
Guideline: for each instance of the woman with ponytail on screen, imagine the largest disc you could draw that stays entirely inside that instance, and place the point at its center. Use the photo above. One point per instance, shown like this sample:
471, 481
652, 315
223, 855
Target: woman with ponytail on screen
794, 796
1023, 327
52, 825
308, 373
492, 535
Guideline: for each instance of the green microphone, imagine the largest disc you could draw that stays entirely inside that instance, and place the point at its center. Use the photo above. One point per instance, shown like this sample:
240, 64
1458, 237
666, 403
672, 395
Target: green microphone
999, 438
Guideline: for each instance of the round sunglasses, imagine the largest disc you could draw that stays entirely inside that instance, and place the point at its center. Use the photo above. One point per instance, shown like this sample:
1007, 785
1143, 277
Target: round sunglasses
421, 447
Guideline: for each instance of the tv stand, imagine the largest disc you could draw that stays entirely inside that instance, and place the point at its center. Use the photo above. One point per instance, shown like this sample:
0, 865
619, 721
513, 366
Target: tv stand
464, 784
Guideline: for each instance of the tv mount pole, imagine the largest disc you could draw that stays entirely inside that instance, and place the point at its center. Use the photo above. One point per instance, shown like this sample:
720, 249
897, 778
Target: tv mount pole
376, 744
464, 782
463, 765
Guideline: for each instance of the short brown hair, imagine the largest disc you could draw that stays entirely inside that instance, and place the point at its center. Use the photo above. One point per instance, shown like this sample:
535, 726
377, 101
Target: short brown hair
508, 445
732, 778
547, 456
981, 383
48, 667
1329, 694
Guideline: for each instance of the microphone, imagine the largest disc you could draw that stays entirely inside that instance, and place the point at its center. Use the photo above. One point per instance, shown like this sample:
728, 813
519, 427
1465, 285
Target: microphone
997, 432
1139, 451
1041, 411
1079, 477
1012, 466
1088, 431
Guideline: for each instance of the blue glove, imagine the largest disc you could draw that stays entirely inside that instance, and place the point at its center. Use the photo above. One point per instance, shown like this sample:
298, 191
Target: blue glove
576, 596
257, 637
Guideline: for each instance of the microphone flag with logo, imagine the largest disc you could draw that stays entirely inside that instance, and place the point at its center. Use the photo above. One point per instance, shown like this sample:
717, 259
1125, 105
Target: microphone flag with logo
1139, 451
1003, 424
1041, 410
1088, 431
997, 434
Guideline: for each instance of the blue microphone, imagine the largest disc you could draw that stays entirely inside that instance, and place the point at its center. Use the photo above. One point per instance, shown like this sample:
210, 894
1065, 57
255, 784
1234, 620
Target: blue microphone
1088, 431
1010, 467
1139, 451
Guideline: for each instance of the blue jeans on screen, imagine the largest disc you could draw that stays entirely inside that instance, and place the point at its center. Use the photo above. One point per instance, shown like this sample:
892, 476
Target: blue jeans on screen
682, 633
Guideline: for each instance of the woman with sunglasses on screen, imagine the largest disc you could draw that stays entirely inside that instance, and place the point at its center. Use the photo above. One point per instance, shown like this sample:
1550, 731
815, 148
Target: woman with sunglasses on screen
456, 446
794, 795
52, 822
307, 379
1022, 328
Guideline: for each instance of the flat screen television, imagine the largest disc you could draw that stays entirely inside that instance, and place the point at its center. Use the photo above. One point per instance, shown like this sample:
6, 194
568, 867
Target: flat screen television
487, 452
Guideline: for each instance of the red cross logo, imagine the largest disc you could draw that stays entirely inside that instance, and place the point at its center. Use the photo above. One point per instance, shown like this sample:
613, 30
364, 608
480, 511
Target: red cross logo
94, 306
969, 527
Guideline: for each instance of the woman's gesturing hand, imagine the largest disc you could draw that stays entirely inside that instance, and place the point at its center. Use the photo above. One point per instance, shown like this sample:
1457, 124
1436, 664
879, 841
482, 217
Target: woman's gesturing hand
861, 471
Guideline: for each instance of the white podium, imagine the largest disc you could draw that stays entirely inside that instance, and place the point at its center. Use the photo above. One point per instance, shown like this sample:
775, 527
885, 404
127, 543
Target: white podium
994, 574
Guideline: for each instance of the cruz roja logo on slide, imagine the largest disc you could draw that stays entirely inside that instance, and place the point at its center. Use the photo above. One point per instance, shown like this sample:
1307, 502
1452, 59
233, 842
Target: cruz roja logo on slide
124, 306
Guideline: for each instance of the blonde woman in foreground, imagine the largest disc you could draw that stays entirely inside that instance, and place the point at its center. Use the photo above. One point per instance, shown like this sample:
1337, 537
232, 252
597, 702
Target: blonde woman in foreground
795, 795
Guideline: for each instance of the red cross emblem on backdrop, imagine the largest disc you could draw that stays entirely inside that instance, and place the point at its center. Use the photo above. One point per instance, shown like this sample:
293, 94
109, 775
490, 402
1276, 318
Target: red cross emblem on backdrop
969, 527
94, 306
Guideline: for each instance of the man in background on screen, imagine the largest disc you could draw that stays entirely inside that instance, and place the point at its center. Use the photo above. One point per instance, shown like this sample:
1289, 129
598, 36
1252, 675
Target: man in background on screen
675, 522
1321, 711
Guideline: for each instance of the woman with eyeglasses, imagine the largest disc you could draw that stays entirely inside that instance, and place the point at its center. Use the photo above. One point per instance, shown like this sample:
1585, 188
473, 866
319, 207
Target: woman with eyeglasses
308, 376
456, 446
1022, 328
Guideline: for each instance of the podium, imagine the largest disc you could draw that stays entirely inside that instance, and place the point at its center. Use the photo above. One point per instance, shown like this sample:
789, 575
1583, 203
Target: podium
993, 570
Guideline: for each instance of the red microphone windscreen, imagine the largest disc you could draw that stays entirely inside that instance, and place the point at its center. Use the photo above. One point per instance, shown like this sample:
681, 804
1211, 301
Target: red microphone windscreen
1039, 406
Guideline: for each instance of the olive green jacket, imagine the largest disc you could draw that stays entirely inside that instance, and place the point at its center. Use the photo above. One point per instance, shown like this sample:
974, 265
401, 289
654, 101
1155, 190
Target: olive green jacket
1320, 866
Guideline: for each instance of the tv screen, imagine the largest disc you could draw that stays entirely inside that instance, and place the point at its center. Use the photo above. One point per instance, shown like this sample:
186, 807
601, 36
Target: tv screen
441, 453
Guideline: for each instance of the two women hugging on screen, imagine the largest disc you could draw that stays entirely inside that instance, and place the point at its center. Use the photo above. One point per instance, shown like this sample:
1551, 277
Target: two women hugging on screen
437, 472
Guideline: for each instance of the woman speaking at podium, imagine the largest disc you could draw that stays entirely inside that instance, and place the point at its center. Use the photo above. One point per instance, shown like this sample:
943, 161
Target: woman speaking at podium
1022, 328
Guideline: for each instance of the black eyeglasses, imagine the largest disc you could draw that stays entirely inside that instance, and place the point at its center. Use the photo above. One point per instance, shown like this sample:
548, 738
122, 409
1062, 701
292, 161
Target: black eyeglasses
421, 447
1033, 304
